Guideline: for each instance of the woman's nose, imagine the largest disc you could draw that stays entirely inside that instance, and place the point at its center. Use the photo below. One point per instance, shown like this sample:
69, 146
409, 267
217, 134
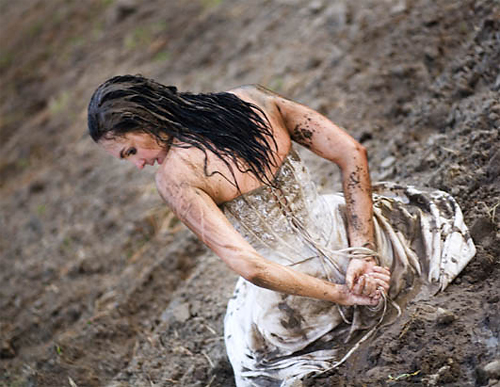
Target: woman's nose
139, 163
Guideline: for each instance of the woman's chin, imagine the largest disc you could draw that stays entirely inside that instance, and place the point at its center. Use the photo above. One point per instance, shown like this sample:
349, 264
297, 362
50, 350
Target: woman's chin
161, 158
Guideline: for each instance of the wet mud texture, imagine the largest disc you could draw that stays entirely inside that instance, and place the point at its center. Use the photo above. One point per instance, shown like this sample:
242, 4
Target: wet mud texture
100, 284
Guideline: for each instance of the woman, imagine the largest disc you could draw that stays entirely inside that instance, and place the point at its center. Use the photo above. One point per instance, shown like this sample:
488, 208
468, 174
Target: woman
227, 169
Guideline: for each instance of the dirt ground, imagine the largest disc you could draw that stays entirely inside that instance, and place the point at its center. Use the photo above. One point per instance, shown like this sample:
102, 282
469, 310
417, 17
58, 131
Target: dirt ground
100, 285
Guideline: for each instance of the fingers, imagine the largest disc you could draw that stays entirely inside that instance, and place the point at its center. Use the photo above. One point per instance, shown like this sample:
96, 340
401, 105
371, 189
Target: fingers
381, 277
365, 286
356, 268
372, 299
381, 285
359, 286
381, 274
365, 300
381, 270
358, 299
370, 284
349, 280
363, 283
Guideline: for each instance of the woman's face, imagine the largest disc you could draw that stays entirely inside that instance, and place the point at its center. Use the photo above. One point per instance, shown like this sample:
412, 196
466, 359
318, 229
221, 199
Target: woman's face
139, 148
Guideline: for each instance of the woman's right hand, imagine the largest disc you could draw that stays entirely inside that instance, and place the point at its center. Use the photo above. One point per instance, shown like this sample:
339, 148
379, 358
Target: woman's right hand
348, 298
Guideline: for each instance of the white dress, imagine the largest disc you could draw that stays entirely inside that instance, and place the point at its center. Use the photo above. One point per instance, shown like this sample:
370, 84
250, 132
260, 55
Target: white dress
273, 339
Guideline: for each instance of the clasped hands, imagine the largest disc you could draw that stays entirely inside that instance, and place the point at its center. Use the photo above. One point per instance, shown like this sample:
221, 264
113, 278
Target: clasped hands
366, 282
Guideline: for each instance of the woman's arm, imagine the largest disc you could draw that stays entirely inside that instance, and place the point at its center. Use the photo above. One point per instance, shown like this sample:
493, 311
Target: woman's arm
323, 137
198, 211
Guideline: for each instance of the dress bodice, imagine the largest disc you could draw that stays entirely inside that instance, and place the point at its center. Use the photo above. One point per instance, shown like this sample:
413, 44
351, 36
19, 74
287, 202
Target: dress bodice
287, 222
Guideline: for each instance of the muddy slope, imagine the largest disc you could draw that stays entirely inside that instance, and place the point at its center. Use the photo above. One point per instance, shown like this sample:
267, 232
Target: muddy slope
101, 285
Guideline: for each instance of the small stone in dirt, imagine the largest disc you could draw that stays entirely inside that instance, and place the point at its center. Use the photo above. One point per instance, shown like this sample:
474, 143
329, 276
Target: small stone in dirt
492, 370
399, 7
444, 317
181, 312
388, 162
196, 307
378, 373
316, 6
178, 312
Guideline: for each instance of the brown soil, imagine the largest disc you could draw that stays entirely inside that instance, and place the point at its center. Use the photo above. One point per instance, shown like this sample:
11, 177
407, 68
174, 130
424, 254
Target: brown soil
101, 285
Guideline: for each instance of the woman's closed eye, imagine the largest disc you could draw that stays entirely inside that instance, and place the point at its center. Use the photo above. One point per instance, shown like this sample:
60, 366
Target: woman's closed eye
130, 152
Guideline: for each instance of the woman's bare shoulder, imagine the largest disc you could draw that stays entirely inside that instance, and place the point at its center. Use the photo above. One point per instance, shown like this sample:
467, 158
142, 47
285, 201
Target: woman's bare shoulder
253, 88
191, 168
181, 167
254, 93
262, 97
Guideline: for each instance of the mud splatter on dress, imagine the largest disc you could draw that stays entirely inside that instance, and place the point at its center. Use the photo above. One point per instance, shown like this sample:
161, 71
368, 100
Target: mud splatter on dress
272, 339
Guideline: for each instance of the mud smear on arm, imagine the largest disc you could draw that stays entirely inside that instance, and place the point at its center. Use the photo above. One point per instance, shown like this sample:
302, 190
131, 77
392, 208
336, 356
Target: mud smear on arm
303, 133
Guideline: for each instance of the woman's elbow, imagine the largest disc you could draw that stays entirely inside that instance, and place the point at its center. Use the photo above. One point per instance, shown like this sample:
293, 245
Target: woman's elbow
358, 149
353, 155
253, 272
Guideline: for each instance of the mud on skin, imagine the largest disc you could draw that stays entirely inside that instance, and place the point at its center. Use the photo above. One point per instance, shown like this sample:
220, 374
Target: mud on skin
302, 136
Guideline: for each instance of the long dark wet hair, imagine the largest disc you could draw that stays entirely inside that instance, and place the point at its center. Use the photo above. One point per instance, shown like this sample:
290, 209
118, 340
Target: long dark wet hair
234, 130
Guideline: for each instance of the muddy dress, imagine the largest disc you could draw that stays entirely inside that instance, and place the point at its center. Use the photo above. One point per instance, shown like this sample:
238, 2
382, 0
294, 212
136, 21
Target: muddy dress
273, 339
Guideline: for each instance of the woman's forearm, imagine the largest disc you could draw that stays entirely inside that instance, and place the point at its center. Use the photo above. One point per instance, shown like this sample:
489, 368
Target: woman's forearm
333, 143
358, 196
273, 276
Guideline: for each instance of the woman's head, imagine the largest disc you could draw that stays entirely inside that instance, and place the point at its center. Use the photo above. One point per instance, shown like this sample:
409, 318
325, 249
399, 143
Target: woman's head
222, 123
129, 104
